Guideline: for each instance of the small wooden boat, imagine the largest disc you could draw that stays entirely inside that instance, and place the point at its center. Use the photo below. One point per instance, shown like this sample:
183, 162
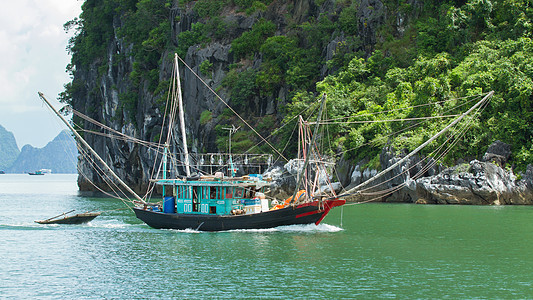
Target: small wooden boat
72, 219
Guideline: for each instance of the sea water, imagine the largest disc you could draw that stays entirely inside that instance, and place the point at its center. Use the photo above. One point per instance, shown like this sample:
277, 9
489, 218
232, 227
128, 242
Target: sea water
379, 251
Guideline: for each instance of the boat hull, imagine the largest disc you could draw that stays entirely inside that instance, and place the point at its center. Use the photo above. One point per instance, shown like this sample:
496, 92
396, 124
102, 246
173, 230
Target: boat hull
76, 219
308, 213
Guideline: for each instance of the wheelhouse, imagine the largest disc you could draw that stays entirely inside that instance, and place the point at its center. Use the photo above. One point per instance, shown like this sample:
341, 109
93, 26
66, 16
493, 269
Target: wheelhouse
213, 197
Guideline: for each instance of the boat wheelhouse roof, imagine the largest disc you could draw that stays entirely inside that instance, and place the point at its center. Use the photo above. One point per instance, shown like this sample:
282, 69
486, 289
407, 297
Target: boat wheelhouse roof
228, 181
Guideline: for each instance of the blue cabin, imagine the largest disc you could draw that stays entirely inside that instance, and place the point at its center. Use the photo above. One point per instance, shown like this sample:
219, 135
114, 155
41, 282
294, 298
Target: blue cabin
212, 196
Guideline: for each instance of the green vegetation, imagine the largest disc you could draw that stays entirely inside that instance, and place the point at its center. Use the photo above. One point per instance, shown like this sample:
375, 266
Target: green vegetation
205, 117
442, 50
251, 41
206, 67
146, 27
454, 51
188, 38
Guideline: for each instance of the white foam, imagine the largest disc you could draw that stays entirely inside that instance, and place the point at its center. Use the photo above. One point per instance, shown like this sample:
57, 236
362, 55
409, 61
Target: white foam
311, 228
295, 228
108, 225
188, 230
307, 228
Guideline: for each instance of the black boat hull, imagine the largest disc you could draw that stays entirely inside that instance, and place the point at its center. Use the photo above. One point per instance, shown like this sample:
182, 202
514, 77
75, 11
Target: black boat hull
76, 219
307, 213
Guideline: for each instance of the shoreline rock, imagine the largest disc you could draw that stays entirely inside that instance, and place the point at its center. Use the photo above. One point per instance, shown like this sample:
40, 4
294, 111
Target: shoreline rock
423, 181
479, 183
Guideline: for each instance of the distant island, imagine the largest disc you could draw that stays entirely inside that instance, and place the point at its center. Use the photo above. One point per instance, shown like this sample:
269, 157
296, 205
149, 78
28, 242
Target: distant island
59, 155
9, 150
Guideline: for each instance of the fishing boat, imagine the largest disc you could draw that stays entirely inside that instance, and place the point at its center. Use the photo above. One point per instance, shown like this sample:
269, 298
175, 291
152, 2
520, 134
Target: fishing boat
64, 218
219, 201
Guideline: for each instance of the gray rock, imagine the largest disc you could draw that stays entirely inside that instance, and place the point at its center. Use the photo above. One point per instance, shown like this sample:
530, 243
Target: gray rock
336, 186
498, 152
479, 183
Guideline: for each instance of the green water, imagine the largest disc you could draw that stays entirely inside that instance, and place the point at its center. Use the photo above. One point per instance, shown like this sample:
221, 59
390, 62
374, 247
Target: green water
381, 251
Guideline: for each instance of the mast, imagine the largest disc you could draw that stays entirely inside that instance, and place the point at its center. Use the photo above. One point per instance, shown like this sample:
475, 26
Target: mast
308, 152
231, 130
182, 118
41, 95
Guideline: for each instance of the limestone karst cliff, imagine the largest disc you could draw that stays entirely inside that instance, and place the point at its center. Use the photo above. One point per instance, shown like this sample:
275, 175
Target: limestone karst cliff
271, 58
105, 88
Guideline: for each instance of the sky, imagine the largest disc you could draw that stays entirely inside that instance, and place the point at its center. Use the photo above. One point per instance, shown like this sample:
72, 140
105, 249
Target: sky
33, 58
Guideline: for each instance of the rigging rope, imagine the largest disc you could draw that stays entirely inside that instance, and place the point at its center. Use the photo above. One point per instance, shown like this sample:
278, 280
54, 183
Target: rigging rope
413, 106
482, 104
407, 128
389, 120
228, 106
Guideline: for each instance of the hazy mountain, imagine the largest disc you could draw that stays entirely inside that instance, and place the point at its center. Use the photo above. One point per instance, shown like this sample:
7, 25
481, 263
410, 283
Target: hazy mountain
8, 148
59, 155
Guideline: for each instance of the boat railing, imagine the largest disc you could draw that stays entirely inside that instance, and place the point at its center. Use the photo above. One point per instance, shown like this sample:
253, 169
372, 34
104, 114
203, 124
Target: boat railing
246, 163
221, 159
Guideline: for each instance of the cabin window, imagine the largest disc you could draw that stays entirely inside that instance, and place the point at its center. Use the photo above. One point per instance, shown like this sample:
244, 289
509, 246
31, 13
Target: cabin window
238, 193
213, 191
184, 192
248, 193
205, 192
195, 198
212, 209
229, 192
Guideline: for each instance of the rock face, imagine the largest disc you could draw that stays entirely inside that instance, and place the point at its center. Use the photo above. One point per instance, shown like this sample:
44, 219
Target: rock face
480, 182
284, 179
98, 93
475, 183
421, 181
8, 149
498, 153
59, 155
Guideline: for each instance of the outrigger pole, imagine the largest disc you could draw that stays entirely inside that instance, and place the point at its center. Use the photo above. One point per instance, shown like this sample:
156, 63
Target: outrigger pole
41, 95
353, 190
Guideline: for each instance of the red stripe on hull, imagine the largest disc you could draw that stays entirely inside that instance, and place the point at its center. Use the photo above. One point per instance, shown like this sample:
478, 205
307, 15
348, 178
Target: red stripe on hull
308, 213
328, 205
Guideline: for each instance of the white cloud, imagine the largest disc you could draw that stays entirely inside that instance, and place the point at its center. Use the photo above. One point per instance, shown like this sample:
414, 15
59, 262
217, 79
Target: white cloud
33, 58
